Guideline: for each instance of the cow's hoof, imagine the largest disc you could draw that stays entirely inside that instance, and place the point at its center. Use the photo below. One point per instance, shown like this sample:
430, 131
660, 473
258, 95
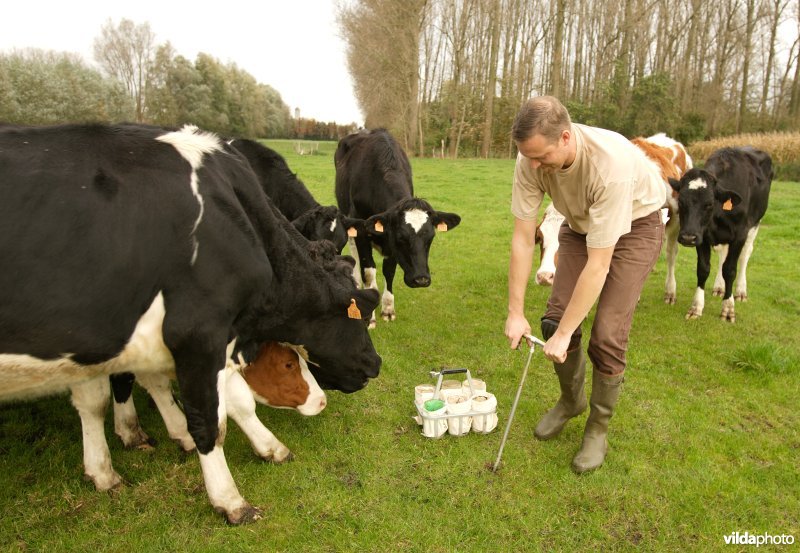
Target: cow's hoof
243, 515
740, 296
728, 310
372, 324
729, 316
279, 460
105, 482
138, 440
692, 315
186, 445
719, 292
388, 316
670, 299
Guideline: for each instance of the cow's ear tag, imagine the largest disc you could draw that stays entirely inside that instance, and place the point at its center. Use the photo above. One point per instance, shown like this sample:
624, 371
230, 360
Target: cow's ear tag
442, 227
728, 205
352, 232
353, 311
378, 226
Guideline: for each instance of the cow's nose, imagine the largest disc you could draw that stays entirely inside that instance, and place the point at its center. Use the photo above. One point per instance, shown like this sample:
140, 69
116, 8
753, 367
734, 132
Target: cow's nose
322, 403
687, 239
422, 281
544, 279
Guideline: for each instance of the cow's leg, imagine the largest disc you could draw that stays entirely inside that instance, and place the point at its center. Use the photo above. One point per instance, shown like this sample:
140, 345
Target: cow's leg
126, 421
199, 365
719, 280
670, 287
703, 269
368, 269
351, 243
744, 257
387, 299
90, 398
242, 409
729, 274
159, 386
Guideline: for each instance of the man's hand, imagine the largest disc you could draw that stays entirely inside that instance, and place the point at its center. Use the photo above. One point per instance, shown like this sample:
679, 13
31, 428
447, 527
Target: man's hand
516, 327
556, 348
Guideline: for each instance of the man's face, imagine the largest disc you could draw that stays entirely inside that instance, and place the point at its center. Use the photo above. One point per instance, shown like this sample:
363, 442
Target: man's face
543, 154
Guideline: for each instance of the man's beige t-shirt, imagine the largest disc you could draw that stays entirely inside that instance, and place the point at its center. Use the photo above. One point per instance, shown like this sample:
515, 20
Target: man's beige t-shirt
610, 183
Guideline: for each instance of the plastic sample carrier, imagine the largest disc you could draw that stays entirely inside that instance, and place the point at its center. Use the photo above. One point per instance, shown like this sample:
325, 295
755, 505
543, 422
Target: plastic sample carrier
457, 413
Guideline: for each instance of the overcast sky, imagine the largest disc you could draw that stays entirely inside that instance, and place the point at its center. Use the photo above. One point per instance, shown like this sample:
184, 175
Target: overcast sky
291, 45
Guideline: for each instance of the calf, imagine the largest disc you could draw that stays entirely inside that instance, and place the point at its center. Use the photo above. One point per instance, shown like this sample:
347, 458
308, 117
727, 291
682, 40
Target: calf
278, 377
293, 199
373, 182
135, 249
673, 161
722, 204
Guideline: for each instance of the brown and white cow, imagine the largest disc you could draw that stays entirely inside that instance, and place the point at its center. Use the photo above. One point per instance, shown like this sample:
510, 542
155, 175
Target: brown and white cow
672, 159
279, 377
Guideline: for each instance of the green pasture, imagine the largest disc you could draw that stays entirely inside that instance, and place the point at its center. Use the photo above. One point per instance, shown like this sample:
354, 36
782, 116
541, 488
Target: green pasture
705, 442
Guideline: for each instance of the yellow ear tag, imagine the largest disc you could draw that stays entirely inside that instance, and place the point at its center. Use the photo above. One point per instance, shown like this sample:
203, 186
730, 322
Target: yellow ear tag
378, 226
353, 311
728, 205
442, 227
352, 232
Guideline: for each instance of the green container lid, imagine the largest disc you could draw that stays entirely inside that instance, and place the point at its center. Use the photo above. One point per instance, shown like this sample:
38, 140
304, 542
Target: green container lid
434, 404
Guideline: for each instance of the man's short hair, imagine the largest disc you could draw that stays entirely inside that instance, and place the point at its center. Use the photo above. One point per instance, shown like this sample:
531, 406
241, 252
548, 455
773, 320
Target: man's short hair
543, 115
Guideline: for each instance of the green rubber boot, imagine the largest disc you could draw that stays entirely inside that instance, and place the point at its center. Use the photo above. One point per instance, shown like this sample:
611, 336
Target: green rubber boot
605, 392
571, 374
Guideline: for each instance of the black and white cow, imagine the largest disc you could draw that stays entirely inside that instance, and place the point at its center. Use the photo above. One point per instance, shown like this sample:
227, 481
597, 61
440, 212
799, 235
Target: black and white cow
722, 204
130, 248
373, 182
292, 198
295, 202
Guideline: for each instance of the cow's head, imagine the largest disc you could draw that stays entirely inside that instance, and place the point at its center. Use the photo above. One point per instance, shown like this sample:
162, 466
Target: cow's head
406, 231
279, 377
699, 196
547, 238
327, 317
326, 223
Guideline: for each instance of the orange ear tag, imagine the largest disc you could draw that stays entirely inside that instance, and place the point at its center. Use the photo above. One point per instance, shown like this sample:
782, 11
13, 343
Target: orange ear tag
442, 227
353, 311
728, 205
352, 232
378, 226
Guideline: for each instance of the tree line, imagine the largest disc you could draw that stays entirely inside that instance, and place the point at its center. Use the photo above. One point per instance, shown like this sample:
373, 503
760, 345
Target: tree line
447, 76
145, 82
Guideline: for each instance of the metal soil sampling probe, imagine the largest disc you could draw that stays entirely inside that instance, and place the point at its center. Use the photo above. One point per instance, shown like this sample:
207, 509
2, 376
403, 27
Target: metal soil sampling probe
533, 341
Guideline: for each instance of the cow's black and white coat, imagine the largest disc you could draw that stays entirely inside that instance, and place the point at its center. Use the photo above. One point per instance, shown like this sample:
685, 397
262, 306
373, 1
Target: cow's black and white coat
722, 204
132, 248
374, 182
292, 198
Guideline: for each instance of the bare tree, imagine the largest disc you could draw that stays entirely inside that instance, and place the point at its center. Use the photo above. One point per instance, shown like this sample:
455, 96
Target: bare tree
126, 52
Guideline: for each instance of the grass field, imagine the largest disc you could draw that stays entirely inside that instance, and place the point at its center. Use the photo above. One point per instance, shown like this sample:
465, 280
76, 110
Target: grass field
705, 442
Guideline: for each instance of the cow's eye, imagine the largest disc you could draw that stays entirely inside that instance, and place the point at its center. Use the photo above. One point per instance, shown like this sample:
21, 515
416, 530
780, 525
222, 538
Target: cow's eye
289, 367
